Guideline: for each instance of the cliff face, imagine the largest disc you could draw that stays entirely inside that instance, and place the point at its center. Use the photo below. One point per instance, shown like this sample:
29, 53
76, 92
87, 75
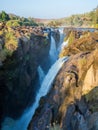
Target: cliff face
71, 104
19, 76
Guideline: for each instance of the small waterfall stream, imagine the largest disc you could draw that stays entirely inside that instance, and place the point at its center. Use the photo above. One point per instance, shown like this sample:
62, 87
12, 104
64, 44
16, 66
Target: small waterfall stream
61, 40
65, 43
62, 43
53, 51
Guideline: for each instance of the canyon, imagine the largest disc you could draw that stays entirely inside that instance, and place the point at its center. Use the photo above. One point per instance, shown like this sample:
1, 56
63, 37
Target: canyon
43, 91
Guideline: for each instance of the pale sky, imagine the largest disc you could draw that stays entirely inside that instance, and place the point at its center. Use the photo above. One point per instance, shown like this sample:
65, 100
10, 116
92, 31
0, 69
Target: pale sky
47, 8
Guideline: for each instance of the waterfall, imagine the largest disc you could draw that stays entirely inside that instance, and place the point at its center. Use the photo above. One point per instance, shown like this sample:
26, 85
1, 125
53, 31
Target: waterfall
41, 74
22, 123
61, 35
62, 43
61, 39
65, 43
53, 51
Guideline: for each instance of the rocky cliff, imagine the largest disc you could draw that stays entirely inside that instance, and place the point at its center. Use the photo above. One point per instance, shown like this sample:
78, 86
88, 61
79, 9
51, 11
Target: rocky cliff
71, 104
18, 67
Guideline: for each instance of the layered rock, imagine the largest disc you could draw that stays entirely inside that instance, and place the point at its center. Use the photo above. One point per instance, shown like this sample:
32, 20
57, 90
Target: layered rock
71, 104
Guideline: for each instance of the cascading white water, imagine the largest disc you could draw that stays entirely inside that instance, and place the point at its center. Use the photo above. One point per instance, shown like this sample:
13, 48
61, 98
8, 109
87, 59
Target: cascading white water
22, 123
61, 39
62, 43
65, 43
53, 51
41, 74
61, 30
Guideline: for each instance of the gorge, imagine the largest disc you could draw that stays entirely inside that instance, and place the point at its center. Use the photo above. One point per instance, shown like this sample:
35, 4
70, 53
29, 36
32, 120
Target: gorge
68, 105
24, 59
45, 90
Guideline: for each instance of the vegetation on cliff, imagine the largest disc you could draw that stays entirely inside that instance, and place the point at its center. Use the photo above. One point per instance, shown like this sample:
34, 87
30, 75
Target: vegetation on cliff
13, 20
22, 50
89, 19
80, 42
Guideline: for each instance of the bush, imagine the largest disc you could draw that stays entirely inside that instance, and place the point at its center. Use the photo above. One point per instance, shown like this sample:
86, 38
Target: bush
4, 16
13, 23
71, 38
11, 42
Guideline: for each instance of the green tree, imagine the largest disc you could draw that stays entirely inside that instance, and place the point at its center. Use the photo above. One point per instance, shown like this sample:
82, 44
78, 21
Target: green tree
4, 16
13, 23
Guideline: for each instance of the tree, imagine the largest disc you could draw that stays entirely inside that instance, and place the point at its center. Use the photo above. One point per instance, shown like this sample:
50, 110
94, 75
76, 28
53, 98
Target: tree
13, 23
4, 16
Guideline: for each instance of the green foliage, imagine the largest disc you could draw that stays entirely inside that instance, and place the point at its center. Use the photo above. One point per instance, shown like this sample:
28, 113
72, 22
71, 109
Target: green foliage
13, 20
13, 23
4, 16
28, 22
86, 19
54, 23
11, 42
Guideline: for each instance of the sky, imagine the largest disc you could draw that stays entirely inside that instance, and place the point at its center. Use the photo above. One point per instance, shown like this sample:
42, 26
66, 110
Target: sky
47, 8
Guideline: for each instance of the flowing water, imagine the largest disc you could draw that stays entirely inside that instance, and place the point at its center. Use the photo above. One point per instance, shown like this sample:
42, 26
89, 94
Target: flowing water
22, 123
65, 43
41, 74
53, 51
61, 39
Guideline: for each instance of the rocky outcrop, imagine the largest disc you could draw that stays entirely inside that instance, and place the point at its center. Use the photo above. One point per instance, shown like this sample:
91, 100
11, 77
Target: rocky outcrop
71, 104
18, 72
80, 42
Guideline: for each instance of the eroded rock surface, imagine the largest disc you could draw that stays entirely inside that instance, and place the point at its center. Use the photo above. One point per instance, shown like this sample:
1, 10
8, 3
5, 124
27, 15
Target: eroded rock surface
18, 71
72, 101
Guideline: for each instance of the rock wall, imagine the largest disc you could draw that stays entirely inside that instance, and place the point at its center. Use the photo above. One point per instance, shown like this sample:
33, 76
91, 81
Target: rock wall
71, 104
19, 76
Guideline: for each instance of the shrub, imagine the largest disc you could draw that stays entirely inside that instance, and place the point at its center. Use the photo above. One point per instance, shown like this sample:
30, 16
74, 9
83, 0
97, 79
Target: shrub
4, 16
71, 38
11, 42
13, 23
